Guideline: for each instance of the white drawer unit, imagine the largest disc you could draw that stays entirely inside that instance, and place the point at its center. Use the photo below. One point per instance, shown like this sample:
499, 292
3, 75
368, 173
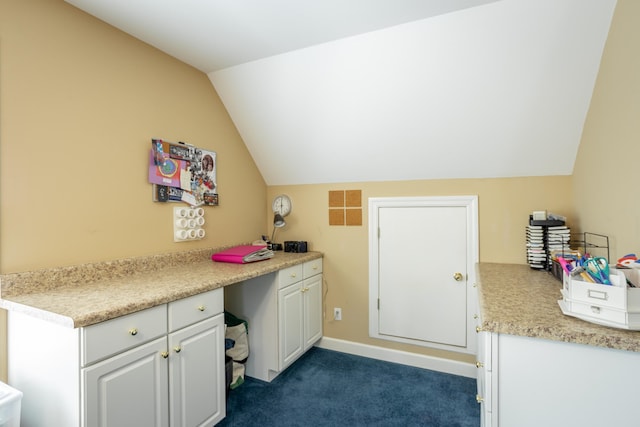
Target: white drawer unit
290, 275
162, 366
117, 335
615, 305
614, 296
484, 365
188, 311
311, 268
601, 312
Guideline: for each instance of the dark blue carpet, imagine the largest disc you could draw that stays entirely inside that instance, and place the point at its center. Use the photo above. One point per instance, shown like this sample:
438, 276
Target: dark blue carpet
329, 388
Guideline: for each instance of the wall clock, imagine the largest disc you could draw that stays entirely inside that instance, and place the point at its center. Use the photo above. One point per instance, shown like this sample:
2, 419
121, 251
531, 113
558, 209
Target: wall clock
282, 205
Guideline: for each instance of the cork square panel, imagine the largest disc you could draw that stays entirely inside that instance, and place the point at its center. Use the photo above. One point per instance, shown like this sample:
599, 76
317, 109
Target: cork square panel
336, 198
336, 216
353, 198
354, 216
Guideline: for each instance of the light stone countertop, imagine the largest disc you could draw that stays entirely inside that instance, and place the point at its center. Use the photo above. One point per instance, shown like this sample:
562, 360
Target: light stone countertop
518, 300
83, 295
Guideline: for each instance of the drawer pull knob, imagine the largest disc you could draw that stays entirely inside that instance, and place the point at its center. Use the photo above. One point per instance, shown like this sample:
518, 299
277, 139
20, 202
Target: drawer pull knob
177, 349
475, 316
479, 364
457, 277
293, 275
202, 308
479, 398
478, 329
164, 354
133, 331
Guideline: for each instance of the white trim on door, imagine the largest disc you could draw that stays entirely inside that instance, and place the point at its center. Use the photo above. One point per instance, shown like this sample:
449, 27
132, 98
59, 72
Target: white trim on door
472, 256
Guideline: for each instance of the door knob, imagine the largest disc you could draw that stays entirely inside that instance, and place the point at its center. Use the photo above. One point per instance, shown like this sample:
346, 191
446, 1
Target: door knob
457, 276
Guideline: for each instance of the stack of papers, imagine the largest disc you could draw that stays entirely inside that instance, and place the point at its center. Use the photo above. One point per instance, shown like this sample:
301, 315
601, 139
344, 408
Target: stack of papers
243, 254
558, 238
544, 240
536, 251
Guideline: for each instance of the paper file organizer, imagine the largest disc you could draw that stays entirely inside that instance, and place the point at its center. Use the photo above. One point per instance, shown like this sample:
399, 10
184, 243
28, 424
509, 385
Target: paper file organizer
616, 305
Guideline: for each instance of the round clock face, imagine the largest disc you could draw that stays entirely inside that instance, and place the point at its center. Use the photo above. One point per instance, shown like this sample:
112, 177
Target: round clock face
282, 205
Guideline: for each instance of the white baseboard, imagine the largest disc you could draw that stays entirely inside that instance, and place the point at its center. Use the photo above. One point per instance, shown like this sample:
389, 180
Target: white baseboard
397, 356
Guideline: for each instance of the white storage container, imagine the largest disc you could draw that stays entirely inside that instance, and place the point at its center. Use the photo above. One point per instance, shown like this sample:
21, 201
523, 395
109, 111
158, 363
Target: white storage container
10, 402
616, 305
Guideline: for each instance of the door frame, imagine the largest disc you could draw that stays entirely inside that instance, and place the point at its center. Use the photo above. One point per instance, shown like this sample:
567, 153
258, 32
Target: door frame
471, 204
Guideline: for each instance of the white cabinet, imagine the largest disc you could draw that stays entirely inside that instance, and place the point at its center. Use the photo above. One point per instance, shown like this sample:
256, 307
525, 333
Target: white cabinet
531, 382
539, 382
196, 372
484, 367
196, 361
284, 312
299, 317
486, 393
129, 389
290, 324
162, 366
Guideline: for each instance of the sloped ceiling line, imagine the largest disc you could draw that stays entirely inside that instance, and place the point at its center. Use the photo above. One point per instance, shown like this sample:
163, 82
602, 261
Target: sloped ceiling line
483, 89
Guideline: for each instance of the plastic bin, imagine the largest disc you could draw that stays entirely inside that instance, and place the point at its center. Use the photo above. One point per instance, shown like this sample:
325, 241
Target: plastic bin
10, 402
228, 368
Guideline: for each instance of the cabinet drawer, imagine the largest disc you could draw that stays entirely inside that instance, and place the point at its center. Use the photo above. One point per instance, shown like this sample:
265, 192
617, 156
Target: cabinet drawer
188, 311
289, 275
113, 336
311, 268
597, 311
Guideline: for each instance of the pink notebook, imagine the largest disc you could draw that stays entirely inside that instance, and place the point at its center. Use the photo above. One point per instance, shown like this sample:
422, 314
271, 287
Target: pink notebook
243, 254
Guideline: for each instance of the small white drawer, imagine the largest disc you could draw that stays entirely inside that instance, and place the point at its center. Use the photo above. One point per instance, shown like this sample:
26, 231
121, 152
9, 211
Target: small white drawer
311, 268
290, 275
104, 339
188, 311
613, 296
597, 311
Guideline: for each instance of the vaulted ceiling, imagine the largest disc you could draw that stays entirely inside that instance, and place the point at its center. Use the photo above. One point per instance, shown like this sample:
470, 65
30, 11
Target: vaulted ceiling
379, 90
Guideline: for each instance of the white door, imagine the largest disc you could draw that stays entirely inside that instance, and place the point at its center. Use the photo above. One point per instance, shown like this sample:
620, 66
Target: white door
129, 389
196, 374
312, 302
290, 324
421, 257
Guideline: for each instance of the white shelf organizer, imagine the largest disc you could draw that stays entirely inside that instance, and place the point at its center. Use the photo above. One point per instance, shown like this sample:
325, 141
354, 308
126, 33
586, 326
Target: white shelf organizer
187, 224
616, 305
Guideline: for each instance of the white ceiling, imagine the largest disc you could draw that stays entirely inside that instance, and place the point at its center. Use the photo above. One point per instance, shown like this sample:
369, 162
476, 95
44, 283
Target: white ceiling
376, 90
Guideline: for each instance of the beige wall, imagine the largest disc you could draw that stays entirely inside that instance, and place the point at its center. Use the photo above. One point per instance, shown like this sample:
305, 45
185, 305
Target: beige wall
79, 104
607, 171
504, 208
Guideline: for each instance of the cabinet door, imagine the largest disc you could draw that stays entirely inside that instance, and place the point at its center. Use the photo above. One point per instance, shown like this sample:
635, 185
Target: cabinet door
312, 300
290, 323
484, 378
196, 374
129, 389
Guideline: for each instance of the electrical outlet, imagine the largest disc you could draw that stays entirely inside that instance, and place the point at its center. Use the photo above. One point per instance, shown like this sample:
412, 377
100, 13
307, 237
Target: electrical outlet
337, 313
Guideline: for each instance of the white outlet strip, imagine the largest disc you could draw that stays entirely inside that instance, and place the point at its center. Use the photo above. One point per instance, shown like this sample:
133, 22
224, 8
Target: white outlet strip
187, 224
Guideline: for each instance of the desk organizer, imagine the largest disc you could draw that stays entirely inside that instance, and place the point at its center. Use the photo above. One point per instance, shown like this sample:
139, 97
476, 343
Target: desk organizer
616, 305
